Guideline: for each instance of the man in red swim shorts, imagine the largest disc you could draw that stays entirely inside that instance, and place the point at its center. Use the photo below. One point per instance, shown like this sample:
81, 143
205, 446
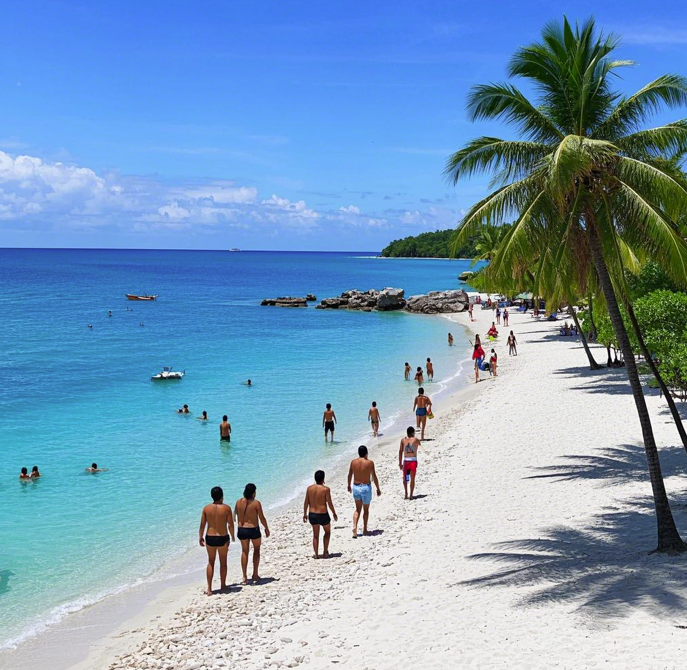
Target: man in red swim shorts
407, 460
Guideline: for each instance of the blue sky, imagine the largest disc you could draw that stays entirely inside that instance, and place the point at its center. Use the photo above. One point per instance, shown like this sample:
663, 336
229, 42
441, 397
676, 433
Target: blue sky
262, 125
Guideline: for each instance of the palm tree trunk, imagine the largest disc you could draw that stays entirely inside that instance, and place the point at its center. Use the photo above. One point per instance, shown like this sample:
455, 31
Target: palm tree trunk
591, 317
593, 365
669, 539
666, 392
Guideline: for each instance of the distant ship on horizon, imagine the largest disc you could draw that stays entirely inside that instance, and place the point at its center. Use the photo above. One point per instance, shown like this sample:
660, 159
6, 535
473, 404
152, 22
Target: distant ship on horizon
234, 249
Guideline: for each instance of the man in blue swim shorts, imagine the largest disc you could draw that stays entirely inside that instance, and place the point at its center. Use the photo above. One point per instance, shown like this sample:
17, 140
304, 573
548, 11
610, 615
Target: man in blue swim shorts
361, 473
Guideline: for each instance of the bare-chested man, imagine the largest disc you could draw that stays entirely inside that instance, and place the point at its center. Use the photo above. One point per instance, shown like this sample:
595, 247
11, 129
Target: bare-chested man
430, 370
329, 422
249, 516
220, 525
374, 418
407, 371
225, 430
422, 407
407, 460
361, 471
419, 378
318, 498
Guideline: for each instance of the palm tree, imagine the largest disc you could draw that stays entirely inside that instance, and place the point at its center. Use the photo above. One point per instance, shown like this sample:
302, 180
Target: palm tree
488, 242
585, 178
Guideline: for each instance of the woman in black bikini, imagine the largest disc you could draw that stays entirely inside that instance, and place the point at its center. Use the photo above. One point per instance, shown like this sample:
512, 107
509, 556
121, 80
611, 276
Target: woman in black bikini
249, 516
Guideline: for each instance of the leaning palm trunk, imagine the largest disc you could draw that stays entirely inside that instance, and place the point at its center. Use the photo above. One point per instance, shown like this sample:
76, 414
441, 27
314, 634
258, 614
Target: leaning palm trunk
591, 317
668, 537
593, 365
666, 392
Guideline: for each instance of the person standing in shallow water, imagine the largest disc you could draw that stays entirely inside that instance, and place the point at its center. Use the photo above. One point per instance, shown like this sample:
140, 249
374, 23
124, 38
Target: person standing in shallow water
450, 344
220, 524
419, 378
407, 368
361, 473
249, 516
225, 430
318, 498
329, 422
373, 417
430, 370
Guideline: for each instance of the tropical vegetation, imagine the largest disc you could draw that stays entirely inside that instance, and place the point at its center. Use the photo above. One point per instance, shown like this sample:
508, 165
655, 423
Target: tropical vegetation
592, 191
439, 244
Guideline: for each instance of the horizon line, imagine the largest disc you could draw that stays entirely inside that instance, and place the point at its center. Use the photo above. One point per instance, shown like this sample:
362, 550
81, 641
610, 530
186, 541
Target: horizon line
278, 251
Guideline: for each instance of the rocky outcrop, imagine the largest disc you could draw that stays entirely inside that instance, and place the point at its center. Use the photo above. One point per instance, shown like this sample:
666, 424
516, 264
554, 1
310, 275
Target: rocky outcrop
286, 301
387, 299
438, 302
311, 298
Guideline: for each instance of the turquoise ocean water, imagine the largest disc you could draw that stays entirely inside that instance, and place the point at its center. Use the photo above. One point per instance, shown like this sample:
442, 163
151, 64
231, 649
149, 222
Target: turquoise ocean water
71, 395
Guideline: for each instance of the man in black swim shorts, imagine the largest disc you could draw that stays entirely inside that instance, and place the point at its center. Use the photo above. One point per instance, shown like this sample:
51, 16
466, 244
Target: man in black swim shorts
318, 498
220, 524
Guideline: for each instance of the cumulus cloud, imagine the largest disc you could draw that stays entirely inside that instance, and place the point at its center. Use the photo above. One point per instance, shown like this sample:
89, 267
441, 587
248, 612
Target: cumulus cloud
37, 195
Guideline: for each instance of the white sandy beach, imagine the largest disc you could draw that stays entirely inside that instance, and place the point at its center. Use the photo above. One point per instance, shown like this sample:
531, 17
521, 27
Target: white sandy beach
527, 547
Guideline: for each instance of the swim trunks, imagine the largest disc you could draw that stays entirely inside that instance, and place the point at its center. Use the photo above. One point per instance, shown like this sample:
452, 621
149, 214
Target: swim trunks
362, 492
409, 465
319, 519
248, 534
328, 425
216, 540
421, 411
225, 438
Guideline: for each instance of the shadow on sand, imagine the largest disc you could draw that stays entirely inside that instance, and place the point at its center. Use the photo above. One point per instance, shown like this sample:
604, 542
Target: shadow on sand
615, 465
604, 569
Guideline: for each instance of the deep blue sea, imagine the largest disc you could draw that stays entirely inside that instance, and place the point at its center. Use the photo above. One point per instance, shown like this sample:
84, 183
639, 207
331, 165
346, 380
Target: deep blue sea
71, 395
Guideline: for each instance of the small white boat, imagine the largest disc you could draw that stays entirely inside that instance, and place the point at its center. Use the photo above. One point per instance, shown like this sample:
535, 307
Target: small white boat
167, 373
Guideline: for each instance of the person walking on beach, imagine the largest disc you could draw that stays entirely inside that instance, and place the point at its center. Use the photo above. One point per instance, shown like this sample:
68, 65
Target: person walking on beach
407, 460
249, 516
225, 430
512, 345
505, 316
422, 406
329, 422
373, 417
430, 371
407, 368
220, 525
470, 311
318, 498
450, 343
360, 472
498, 315
493, 361
418, 376
477, 357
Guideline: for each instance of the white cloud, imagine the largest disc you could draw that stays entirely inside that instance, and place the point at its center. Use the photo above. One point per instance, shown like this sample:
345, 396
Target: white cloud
351, 209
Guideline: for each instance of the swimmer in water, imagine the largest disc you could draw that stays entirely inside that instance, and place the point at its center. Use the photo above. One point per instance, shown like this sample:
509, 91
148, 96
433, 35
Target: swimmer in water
35, 474
407, 371
90, 325
109, 313
183, 410
94, 468
24, 475
248, 382
419, 377
204, 416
